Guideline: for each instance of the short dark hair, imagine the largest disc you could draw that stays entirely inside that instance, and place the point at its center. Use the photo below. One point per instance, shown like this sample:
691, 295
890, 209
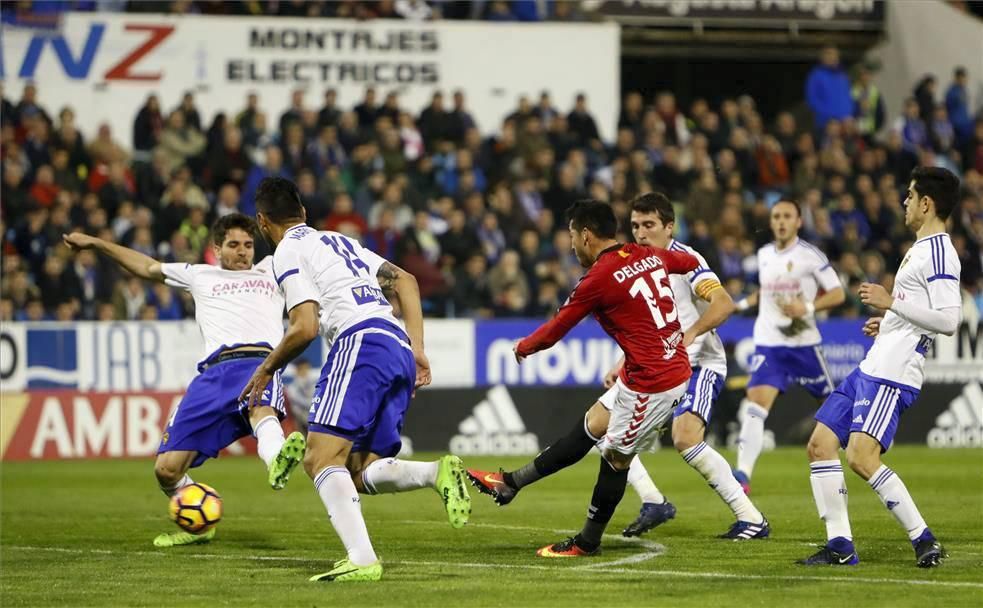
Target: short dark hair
794, 203
595, 216
654, 202
234, 220
278, 199
941, 185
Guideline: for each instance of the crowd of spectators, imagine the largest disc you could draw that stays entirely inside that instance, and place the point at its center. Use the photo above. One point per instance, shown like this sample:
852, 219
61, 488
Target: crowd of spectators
477, 219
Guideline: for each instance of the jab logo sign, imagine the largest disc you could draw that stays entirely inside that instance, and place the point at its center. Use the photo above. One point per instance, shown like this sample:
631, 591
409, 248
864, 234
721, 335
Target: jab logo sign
77, 63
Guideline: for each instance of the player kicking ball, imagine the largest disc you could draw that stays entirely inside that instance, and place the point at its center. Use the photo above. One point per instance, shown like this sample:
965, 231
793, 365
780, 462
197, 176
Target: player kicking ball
626, 288
335, 287
863, 412
707, 306
787, 344
239, 311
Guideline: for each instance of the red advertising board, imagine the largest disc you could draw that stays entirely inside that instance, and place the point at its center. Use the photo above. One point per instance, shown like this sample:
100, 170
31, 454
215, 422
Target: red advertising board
66, 424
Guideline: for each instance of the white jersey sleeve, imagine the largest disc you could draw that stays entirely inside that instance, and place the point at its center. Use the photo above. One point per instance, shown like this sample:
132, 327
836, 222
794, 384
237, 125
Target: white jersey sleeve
179, 275
826, 277
292, 274
942, 277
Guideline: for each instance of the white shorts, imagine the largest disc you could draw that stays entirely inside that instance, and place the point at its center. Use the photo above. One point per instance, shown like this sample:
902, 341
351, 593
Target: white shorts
637, 418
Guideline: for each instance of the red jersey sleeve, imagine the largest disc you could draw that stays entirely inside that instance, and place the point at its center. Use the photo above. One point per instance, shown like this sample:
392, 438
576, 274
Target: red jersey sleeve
678, 262
584, 299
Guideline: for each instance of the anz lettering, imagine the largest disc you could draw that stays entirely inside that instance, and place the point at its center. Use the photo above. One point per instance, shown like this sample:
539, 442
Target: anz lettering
368, 295
77, 67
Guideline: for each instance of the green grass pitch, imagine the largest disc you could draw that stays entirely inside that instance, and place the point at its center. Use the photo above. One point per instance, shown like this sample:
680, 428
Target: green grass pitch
79, 534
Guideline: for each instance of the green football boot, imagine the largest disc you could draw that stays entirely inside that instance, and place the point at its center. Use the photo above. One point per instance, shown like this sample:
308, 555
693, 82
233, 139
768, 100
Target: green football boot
176, 539
346, 572
291, 454
453, 489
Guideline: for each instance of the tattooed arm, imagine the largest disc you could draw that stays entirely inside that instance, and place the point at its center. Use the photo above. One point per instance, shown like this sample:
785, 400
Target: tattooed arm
401, 289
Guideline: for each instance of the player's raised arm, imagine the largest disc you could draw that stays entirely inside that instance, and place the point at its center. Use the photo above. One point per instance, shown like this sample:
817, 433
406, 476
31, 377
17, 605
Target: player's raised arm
140, 265
400, 287
581, 302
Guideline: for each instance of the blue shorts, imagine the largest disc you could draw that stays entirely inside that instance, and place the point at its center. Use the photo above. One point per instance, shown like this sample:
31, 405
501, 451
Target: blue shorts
780, 366
365, 387
704, 387
210, 416
864, 404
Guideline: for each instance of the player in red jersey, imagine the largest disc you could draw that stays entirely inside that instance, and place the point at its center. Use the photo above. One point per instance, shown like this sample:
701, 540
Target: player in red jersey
627, 290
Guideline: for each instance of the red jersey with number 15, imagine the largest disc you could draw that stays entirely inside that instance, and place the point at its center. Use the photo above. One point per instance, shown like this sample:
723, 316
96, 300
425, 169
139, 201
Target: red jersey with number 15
627, 290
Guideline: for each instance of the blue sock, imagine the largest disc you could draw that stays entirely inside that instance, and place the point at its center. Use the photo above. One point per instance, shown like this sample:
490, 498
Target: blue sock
841, 545
926, 535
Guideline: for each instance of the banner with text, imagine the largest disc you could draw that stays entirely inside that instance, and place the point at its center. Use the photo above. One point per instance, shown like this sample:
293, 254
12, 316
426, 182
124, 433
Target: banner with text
105, 65
587, 353
47, 425
782, 14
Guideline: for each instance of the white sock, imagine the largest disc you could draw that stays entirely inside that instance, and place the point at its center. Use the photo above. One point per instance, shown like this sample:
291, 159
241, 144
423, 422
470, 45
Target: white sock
337, 491
184, 481
751, 436
269, 439
829, 492
716, 471
389, 475
898, 501
640, 480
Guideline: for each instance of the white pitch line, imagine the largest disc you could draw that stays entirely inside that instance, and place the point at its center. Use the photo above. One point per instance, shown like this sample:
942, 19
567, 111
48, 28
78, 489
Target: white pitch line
634, 572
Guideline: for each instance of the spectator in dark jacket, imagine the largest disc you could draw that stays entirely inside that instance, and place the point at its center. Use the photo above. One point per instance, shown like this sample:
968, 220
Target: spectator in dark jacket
148, 125
582, 123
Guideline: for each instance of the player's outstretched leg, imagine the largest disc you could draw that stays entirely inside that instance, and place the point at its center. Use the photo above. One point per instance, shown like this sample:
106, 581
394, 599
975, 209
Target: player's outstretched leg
446, 476
280, 455
290, 455
656, 509
864, 456
568, 450
608, 492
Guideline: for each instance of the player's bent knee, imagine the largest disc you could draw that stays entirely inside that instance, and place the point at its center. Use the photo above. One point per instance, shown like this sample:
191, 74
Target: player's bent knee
167, 473
823, 444
862, 459
687, 431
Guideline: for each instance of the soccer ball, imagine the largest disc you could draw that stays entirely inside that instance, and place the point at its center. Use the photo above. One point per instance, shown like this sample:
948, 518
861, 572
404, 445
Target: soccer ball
196, 508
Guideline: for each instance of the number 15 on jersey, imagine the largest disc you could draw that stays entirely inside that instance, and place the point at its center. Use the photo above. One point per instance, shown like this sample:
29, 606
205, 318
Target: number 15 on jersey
643, 286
